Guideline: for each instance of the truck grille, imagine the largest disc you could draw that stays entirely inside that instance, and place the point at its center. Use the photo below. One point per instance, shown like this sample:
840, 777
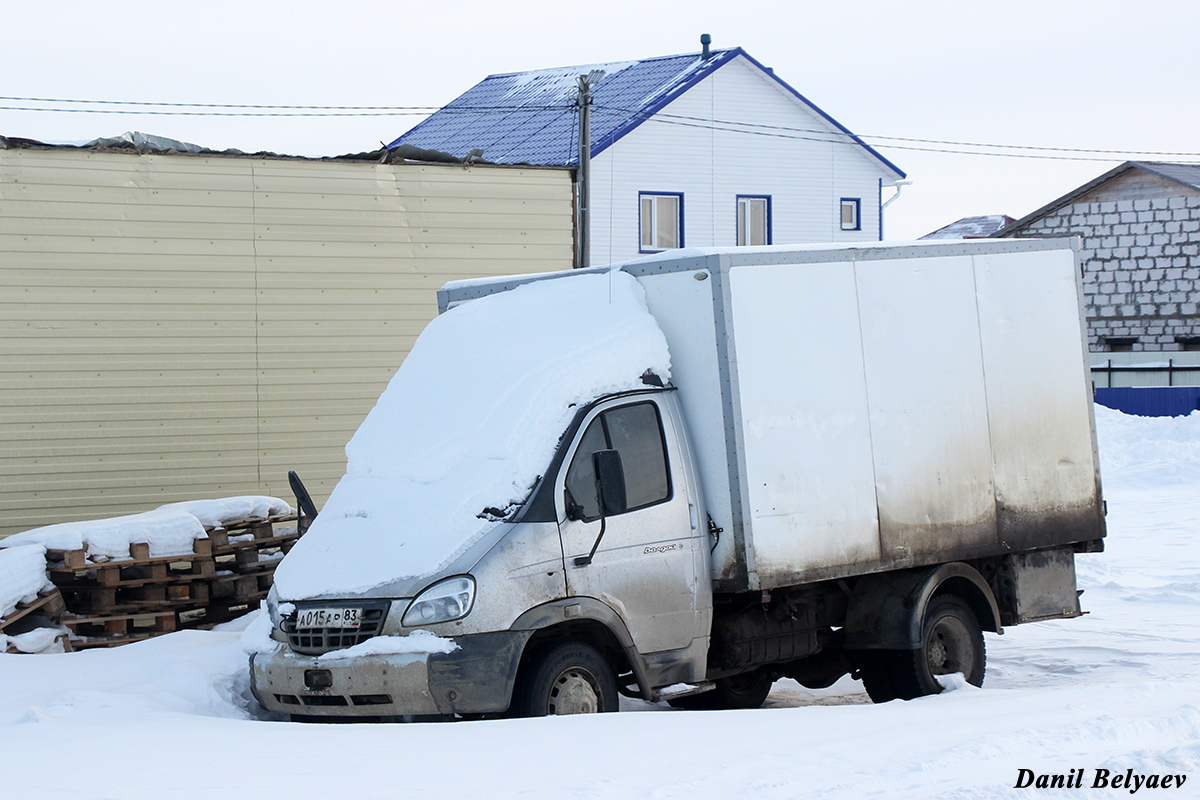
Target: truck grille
314, 642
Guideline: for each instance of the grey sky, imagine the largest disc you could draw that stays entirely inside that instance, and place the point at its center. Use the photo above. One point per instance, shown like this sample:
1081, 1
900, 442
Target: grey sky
1054, 73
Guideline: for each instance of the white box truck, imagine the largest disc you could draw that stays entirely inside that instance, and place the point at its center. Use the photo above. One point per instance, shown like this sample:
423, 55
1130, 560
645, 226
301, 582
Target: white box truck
833, 460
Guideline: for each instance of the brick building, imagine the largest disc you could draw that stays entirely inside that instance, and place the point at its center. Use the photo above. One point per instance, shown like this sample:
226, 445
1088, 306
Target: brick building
1140, 226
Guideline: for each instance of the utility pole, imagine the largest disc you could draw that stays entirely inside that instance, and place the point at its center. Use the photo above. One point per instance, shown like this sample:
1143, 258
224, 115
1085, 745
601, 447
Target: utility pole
583, 175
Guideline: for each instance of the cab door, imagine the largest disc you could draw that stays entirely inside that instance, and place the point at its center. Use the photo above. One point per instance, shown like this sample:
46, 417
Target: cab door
645, 566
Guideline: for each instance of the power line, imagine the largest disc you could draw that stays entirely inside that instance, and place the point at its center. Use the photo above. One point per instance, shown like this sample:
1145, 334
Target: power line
142, 108
218, 113
951, 147
848, 140
216, 105
952, 143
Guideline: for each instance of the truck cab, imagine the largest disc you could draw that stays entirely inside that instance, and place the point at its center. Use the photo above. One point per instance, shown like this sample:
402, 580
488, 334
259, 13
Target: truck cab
579, 600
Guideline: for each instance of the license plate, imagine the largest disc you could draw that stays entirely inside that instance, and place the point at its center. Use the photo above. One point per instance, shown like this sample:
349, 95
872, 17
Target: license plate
344, 618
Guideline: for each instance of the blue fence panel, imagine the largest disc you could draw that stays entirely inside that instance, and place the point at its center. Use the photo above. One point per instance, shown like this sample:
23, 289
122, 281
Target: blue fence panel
1152, 401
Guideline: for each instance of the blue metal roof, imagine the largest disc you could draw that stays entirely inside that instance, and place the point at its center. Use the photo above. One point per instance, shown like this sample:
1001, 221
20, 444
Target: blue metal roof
530, 117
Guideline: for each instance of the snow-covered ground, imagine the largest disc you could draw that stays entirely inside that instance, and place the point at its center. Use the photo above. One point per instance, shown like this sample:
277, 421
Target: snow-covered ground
1116, 690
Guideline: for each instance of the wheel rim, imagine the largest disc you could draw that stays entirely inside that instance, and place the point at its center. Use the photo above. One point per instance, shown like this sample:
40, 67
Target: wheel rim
949, 648
573, 692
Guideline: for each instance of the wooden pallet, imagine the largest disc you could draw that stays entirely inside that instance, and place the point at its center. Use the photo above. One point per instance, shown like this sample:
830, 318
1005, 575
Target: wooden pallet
241, 587
220, 610
50, 604
101, 631
139, 569
102, 599
258, 527
225, 543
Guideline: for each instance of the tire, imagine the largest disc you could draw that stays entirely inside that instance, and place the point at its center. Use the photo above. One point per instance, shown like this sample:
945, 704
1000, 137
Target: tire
748, 690
951, 641
568, 678
875, 667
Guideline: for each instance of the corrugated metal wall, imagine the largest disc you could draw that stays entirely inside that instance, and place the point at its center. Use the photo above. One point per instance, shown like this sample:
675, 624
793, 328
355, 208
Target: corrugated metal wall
174, 327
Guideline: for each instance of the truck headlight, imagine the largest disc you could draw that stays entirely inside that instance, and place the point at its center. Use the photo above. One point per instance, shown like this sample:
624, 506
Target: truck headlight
444, 601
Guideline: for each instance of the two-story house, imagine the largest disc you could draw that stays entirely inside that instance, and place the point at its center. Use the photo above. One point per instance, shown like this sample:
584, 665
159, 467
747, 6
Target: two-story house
692, 150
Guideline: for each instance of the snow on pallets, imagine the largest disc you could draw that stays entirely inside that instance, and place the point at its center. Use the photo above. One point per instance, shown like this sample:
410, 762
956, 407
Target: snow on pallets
115, 601
48, 604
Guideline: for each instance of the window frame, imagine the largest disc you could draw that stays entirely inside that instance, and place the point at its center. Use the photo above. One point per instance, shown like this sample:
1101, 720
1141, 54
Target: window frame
642, 248
856, 204
666, 452
737, 221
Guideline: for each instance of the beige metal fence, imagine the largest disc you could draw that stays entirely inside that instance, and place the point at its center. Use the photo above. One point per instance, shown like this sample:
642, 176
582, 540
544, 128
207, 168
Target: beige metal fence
176, 327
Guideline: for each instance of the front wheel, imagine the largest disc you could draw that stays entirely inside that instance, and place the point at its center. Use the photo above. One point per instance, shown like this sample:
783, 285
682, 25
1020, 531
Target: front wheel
951, 641
569, 678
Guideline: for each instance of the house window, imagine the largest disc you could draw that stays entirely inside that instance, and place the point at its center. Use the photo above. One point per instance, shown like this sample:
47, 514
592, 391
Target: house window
753, 220
661, 221
1189, 343
1120, 344
851, 220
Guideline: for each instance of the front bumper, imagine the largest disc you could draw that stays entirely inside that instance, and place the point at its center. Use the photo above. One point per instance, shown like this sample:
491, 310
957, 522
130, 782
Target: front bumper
477, 678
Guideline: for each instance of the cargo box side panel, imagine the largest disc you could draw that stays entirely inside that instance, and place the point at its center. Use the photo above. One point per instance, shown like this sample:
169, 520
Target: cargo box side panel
684, 308
928, 408
1039, 403
804, 419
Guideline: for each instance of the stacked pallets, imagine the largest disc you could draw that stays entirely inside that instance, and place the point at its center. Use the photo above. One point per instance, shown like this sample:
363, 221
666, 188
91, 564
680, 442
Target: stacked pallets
115, 601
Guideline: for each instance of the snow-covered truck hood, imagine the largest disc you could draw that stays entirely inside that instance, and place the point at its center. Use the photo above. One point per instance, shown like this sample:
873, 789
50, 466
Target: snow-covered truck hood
467, 426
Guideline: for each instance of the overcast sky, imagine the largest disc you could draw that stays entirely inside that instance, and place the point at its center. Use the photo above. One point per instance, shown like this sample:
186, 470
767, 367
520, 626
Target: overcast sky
1053, 73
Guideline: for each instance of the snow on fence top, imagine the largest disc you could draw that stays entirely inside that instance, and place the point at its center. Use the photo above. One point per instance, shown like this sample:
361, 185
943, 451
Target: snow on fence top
469, 422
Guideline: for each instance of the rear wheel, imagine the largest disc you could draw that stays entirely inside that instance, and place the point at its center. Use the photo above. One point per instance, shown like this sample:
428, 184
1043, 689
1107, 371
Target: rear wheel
568, 678
951, 641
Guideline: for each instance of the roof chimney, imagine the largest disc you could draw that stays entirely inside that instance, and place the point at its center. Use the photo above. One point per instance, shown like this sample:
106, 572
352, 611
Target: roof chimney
705, 41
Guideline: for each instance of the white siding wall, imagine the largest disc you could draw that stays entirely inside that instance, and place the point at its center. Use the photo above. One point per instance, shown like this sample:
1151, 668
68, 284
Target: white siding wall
176, 327
805, 179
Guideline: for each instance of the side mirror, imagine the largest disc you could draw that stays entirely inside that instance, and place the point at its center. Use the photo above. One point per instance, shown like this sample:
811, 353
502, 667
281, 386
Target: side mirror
610, 491
610, 482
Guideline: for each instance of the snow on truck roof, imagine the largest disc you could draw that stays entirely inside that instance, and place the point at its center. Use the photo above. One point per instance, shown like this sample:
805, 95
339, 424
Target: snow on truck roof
469, 422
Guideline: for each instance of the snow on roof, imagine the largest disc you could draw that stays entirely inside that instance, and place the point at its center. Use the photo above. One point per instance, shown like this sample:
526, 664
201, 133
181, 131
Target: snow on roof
470, 422
531, 118
972, 227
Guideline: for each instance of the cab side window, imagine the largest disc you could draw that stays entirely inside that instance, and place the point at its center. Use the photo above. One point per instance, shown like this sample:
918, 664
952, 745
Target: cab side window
635, 431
